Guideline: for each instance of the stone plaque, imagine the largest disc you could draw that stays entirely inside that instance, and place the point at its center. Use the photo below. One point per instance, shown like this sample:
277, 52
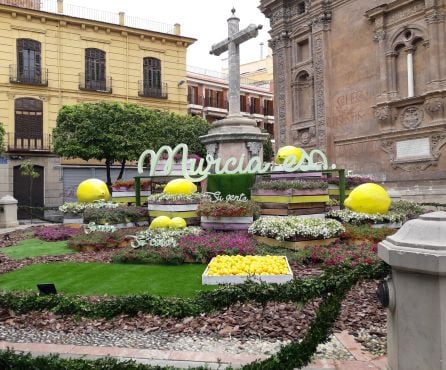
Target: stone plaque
417, 148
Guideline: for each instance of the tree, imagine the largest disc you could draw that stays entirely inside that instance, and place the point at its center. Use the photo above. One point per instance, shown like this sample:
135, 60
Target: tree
116, 132
2, 138
27, 169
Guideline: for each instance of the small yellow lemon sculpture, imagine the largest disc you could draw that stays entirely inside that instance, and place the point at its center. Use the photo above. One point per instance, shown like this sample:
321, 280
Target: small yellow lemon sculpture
92, 189
160, 222
180, 186
286, 151
368, 198
177, 223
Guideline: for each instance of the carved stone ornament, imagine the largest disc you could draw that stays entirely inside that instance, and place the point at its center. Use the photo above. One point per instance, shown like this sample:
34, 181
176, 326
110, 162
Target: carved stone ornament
437, 142
412, 117
434, 107
254, 148
212, 150
379, 35
382, 113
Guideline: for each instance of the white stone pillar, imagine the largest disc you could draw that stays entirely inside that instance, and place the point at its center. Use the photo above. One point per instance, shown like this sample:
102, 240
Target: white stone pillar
8, 211
410, 78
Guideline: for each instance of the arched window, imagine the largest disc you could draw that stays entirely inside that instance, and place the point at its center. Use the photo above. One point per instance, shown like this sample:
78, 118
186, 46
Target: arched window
151, 76
411, 57
29, 69
28, 133
303, 97
95, 69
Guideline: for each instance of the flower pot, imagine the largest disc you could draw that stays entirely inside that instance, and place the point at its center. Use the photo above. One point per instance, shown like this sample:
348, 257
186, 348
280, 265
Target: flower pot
226, 223
188, 211
290, 202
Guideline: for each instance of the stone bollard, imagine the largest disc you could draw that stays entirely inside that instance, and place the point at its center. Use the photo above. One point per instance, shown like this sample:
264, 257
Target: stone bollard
415, 294
8, 211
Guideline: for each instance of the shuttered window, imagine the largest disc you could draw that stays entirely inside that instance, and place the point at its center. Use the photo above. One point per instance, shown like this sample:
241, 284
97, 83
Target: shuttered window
95, 69
29, 69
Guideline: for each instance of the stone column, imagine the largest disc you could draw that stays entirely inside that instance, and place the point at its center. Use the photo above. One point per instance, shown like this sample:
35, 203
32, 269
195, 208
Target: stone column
410, 77
8, 211
416, 294
234, 69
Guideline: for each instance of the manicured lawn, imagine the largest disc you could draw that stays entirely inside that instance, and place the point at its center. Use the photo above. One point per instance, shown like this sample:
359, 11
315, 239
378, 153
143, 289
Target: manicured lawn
111, 279
36, 247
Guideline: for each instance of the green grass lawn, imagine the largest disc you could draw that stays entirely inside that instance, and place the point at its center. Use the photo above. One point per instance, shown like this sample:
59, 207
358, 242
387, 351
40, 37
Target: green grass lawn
35, 248
111, 279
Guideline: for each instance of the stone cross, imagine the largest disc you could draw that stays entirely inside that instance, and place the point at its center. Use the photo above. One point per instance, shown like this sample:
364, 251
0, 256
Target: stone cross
231, 44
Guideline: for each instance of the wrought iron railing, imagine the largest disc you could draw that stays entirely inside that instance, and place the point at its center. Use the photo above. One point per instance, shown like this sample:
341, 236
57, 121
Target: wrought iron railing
102, 85
195, 100
152, 92
28, 76
27, 143
215, 103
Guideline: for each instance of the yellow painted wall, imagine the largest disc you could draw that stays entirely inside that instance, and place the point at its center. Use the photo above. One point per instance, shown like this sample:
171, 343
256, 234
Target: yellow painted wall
63, 41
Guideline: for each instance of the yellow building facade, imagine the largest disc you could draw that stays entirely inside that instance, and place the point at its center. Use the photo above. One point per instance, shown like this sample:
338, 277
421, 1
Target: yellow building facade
50, 59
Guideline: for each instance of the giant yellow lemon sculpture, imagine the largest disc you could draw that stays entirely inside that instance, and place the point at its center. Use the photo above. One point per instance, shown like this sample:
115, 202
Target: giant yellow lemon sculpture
92, 189
177, 223
368, 198
286, 151
180, 186
160, 222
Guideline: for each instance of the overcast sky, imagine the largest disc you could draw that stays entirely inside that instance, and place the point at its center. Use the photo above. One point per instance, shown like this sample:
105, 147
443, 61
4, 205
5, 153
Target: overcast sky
205, 20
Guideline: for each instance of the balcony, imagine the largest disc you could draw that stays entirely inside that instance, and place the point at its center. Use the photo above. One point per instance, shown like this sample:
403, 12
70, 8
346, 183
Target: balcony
103, 85
40, 143
28, 76
215, 107
152, 92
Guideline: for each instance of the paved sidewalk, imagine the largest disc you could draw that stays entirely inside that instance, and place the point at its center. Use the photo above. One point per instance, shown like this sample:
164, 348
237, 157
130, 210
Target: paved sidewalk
214, 360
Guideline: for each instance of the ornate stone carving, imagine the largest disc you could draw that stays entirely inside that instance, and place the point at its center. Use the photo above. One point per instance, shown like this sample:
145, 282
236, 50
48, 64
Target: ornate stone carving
434, 107
379, 35
412, 117
319, 89
382, 113
323, 19
435, 17
405, 12
290, 11
254, 148
437, 141
212, 150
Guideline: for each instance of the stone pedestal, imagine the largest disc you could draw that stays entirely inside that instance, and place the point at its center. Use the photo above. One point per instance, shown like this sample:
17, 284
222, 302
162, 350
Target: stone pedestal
232, 137
8, 212
417, 294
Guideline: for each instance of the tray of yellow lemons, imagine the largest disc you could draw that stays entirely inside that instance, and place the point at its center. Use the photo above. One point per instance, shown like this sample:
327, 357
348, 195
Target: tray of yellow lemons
237, 269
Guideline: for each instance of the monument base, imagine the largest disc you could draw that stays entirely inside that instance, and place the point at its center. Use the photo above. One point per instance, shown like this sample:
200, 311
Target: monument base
233, 137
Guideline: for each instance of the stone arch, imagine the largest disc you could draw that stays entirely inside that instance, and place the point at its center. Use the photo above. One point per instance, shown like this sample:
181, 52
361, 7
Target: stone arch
303, 95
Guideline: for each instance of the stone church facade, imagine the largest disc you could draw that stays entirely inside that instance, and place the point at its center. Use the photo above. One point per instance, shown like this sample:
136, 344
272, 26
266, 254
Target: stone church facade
365, 80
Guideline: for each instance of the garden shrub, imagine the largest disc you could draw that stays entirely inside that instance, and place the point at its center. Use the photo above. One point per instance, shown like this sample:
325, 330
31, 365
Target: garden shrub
150, 256
408, 208
203, 247
55, 233
231, 184
365, 232
119, 215
293, 184
98, 240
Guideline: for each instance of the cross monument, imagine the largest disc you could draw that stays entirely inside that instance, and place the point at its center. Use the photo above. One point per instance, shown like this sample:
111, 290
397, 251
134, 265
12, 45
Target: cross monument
232, 45
234, 135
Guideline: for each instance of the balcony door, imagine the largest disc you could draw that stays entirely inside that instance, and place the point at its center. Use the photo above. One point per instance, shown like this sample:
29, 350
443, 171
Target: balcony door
151, 69
29, 69
28, 133
95, 78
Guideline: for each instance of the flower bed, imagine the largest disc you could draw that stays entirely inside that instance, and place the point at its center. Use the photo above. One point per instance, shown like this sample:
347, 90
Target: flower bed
184, 206
390, 219
237, 269
55, 233
284, 198
122, 215
295, 232
228, 215
350, 183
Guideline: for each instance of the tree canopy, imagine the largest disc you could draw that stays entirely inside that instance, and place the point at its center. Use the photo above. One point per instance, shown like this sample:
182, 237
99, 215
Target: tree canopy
117, 132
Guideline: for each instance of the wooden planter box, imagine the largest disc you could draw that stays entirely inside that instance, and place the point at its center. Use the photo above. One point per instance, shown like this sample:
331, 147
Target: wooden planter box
226, 223
188, 211
127, 197
333, 191
293, 245
290, 202
231, 279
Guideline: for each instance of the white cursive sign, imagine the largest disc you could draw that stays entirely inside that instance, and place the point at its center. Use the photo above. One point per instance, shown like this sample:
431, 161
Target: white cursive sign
198, 172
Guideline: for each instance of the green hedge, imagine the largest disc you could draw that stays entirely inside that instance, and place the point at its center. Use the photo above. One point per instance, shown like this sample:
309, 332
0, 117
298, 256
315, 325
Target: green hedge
332, 286
231, 184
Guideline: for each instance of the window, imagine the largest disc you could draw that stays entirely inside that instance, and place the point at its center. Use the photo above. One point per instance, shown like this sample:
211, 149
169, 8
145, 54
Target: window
152, 76
29, 61
28, 132
303, 51
95, 69
255, 106
243, 105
